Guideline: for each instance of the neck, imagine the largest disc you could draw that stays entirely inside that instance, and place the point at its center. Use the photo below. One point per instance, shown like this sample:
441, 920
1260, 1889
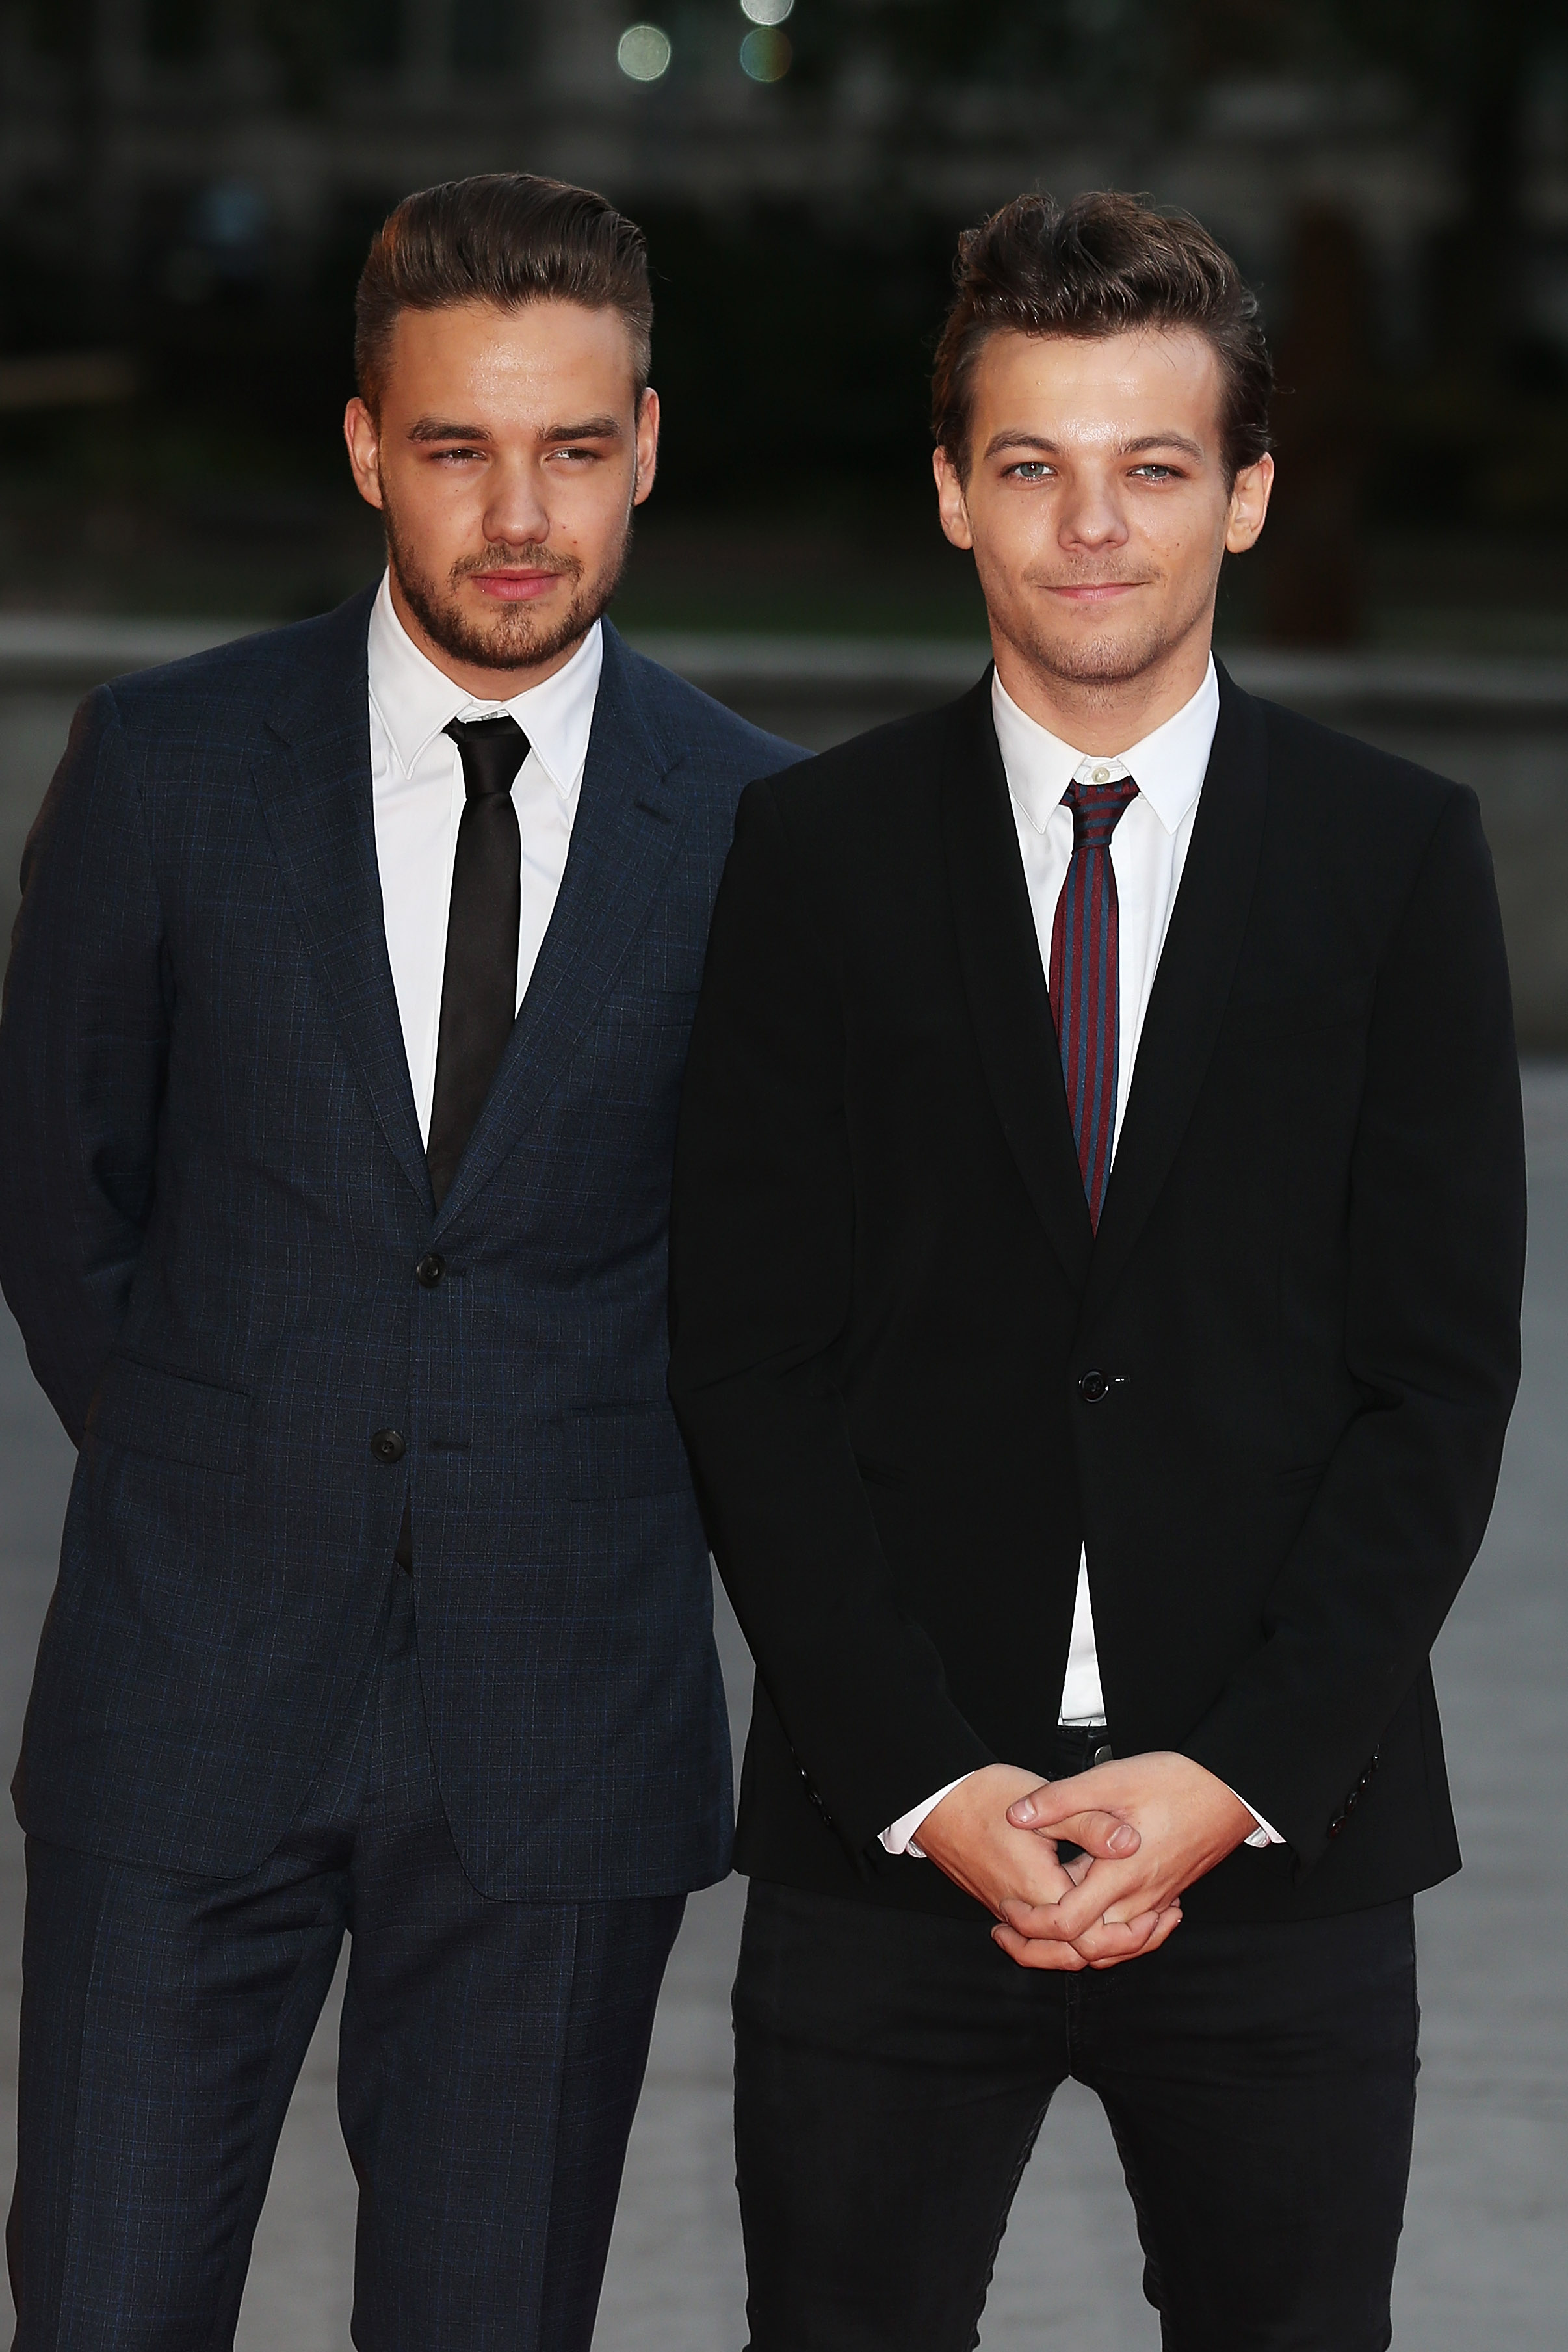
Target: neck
1102, 718
478, 678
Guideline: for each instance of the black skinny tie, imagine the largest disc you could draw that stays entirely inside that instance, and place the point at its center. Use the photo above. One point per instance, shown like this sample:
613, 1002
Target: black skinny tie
478, 989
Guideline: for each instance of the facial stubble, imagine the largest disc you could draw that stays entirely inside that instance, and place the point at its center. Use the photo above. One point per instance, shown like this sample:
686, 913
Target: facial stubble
511, 638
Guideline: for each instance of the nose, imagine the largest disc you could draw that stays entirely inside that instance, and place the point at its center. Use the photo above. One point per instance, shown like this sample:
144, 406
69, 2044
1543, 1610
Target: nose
515, 512
1090, 518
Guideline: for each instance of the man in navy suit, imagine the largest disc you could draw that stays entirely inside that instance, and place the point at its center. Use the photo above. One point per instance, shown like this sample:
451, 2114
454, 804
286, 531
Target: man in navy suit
342, 1038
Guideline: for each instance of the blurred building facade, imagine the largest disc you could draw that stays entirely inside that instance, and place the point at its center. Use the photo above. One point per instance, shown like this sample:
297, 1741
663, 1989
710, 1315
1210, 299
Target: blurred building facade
178, 145
187, 188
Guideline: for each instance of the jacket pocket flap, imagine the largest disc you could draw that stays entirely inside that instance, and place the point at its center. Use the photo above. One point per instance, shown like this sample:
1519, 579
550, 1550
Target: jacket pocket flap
175, 1419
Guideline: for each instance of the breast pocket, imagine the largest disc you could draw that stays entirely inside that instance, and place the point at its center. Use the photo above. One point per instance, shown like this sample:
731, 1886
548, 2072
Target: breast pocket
170, 1417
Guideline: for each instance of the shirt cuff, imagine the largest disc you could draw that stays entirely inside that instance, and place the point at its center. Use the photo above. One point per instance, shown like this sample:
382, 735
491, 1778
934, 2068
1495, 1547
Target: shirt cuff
900, 1837
1265, 1834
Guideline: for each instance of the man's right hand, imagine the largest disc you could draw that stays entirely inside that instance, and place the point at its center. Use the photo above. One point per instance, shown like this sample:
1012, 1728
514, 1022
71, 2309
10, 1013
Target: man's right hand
969, 1836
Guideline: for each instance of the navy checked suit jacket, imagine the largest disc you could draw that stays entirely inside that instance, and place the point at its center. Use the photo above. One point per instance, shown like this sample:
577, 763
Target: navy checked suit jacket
213, 1199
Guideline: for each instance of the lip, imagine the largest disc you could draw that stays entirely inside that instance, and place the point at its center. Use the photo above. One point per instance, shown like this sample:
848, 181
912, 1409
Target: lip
514, 587
1101, 592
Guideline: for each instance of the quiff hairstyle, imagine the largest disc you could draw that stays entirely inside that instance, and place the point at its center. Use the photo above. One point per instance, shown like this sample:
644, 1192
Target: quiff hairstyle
1105, 264
507, 238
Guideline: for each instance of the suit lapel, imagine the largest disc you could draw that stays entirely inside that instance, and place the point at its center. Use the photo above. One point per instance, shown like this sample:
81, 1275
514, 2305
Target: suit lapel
1004, 981
1196, 966
315, 787
630, 815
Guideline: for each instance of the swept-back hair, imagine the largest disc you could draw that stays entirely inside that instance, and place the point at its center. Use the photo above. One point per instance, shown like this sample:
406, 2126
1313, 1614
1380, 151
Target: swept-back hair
506, 238
1100, 266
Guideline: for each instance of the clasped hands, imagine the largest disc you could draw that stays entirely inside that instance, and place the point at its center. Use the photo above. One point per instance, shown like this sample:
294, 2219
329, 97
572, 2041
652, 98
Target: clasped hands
1149, 1825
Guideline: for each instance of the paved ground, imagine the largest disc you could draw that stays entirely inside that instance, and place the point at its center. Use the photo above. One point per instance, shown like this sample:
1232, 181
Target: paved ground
1486, 2258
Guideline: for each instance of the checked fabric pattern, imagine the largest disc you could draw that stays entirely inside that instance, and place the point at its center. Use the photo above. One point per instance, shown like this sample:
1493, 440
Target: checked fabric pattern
1085, 978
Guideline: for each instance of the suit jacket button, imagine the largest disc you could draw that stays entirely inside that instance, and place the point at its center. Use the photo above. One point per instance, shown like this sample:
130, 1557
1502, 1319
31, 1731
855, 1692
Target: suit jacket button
389, 1446
429, 1270
1094, 1387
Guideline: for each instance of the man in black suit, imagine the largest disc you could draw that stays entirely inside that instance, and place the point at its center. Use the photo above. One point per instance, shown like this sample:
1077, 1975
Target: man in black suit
339, 1071
1098, 1244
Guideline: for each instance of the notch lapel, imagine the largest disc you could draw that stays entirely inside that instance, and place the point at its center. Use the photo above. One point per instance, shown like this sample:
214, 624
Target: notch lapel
1193, 983
1004, 980
314, 783
630, 816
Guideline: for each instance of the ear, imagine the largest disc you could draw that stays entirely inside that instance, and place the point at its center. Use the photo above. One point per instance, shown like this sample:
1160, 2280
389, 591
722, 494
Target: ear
1248, 506
950, 503
647, 445
362, 434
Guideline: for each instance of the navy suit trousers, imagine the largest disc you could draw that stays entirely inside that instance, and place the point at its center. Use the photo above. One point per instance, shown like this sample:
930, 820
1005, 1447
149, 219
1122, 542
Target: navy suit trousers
490, 2060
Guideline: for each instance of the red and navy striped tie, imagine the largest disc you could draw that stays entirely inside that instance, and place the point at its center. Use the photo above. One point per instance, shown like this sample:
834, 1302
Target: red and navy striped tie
1086, 975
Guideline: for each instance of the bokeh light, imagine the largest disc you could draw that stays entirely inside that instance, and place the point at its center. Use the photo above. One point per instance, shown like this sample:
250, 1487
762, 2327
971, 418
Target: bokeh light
642, 52
765, 54
767, 12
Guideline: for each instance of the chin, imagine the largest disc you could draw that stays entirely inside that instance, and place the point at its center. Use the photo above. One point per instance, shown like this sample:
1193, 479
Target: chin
1098, 660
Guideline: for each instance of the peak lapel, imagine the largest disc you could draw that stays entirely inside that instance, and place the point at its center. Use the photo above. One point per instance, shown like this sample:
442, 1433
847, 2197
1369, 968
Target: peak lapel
630, 815
1004, 980
1193, 983
314, 785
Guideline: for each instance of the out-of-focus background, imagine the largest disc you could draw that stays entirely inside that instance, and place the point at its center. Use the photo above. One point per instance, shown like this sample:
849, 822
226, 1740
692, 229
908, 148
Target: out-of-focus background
187, 188
186, 191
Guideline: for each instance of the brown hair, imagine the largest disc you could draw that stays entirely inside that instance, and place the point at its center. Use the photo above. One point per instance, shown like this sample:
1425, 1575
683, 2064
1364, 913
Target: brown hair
506, 238
1099, 266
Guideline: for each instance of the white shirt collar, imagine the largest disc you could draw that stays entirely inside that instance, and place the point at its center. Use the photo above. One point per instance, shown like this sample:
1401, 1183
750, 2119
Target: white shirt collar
1167, 766
415, 701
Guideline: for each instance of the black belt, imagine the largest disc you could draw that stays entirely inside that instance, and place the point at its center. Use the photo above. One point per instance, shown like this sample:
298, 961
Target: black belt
1078, 1746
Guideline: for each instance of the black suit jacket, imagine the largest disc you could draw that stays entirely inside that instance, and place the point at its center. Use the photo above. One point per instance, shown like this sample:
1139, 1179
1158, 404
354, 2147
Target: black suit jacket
1270, 1395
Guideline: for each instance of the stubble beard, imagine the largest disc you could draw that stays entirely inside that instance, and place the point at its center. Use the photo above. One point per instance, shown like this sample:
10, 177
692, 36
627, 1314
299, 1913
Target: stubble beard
1096, 665
512, 636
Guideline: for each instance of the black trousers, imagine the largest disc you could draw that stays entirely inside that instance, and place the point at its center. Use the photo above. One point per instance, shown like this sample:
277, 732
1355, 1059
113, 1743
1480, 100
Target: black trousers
892, 2070
490, 2060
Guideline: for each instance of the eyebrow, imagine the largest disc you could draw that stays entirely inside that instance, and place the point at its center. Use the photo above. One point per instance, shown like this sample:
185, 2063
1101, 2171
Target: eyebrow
1011, 440
593, 429
441, 429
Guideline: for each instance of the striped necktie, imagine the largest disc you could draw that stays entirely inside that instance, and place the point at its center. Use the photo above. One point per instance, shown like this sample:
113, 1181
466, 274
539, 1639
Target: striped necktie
1085, 974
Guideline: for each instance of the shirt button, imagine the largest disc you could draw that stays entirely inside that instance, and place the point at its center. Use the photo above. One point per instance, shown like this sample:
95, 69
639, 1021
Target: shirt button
1094, 1387
429, 1270
1103, 775
389, 1446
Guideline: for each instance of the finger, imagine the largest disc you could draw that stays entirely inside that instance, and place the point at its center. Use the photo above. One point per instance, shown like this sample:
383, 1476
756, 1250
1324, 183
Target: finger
1057, 1807
1170, 1920
1036, 1952
1117, 1939
1108, 1887
1098, 1832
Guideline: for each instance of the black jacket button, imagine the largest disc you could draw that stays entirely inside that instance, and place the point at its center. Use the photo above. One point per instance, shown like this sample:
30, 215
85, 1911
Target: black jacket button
1094, 1387
429, 1270
389, 1446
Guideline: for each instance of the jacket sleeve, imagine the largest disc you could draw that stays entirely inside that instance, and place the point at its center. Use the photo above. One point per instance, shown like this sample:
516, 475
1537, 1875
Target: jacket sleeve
1436, 1222
761, 1265
83, 1041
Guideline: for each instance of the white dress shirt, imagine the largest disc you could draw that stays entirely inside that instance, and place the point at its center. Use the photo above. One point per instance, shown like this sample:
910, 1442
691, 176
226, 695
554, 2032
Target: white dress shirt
1148, 852
416, 789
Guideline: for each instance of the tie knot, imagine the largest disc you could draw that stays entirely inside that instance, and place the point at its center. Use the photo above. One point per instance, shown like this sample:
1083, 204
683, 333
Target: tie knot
492, 752
1097, 808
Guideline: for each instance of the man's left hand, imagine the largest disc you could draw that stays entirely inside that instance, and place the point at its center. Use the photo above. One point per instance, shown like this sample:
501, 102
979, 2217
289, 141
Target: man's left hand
1188, 1819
